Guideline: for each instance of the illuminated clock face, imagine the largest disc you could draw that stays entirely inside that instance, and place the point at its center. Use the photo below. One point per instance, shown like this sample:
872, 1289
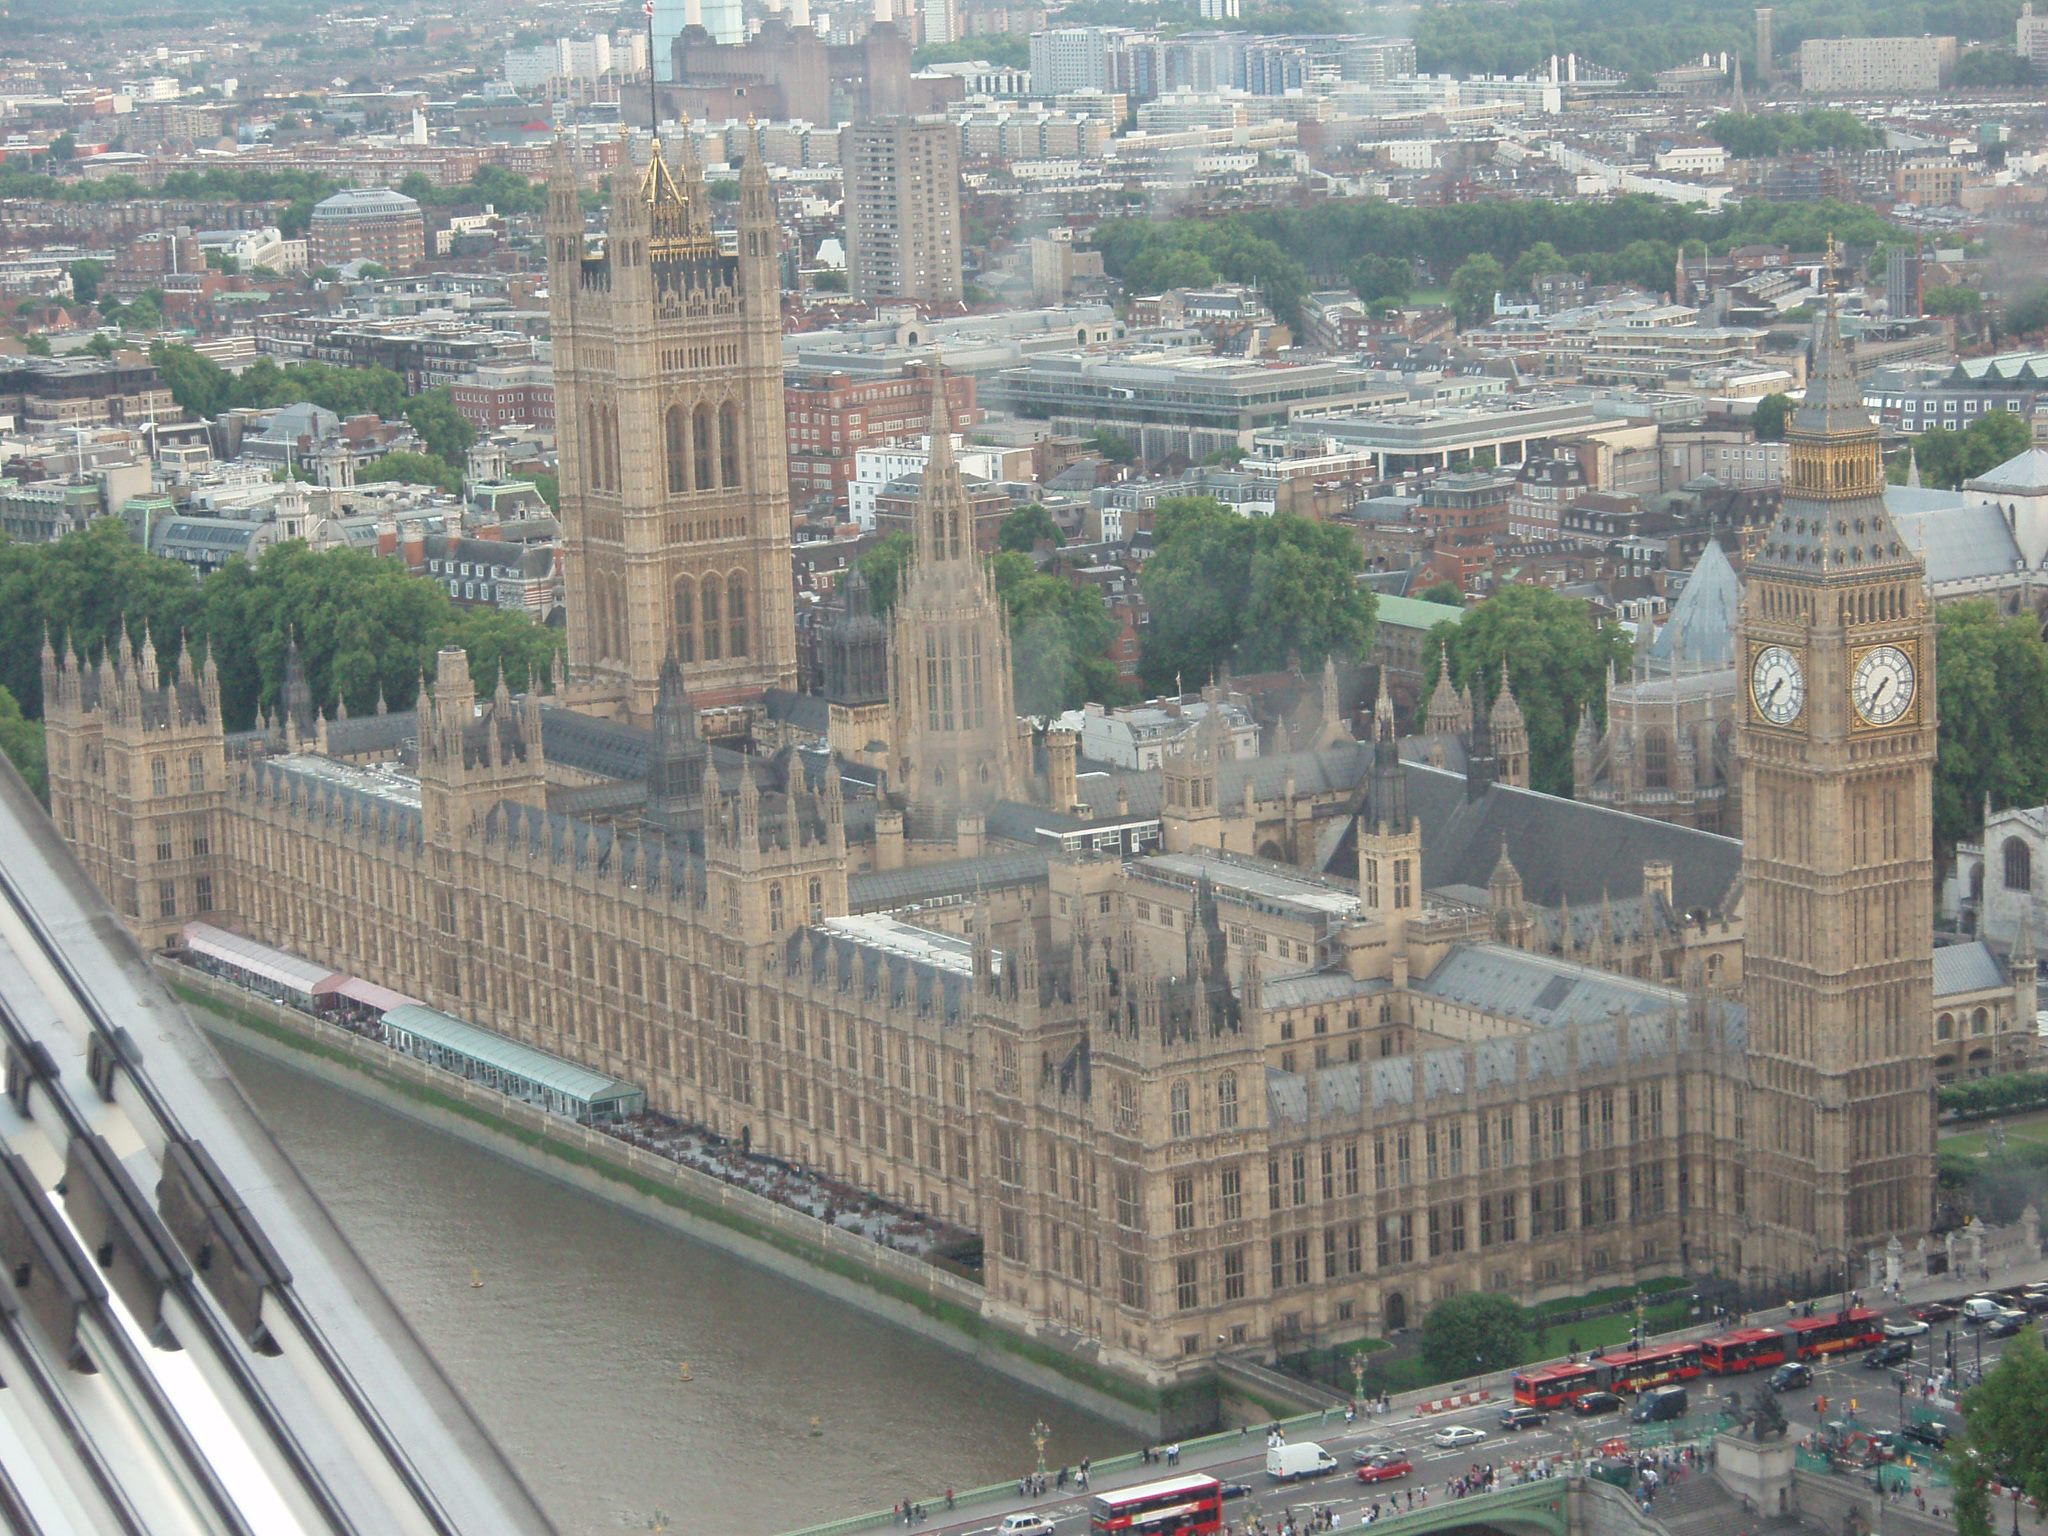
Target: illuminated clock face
1777, 685
1882, 688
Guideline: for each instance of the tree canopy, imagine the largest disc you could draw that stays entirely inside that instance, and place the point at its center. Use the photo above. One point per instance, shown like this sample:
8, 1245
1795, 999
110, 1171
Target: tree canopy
2002, 1443
1247, 592
1473, 287
1761, 135
22, 740
1772, 412
1028, 527
1949, 456
361, 622
883, 564
1475, 1332
1059, 639
1638, 40
1557, 658
1991, 690
205, 389
1288, 251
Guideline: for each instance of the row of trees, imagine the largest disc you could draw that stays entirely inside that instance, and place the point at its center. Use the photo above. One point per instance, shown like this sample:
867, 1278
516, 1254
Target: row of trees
363, 624
1287, 251
1247, 593
1761, 135
1639, 40
204, 389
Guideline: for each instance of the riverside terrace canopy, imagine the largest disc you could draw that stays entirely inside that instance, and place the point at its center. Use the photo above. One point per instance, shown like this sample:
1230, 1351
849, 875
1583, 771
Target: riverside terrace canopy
259, 967
518, 1071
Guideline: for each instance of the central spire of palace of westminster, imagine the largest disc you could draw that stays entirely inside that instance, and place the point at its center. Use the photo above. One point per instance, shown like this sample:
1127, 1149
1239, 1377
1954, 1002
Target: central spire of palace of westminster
958, 748
669, 417
1837, 750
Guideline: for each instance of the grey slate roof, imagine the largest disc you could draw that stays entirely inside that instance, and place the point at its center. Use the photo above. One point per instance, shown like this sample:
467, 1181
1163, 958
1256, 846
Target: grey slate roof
1960, 968
2025, 474
1959, 543
1540, 989
1701, 630
880, 889
806, 711
1564, 850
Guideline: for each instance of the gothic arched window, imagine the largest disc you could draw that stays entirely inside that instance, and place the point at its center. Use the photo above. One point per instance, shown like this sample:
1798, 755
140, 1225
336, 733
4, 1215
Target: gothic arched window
1656, 759
686, 618
775, 909
736, 614
1183, 1116
729, 444
700, 445
713, 646
678, 465
2019, 865
1226, 1101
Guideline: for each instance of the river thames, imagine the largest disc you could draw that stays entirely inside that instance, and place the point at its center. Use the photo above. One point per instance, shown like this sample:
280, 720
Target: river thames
572, 1350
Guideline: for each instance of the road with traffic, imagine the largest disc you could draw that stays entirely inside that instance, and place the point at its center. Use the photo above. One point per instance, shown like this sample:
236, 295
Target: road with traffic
1842, 1390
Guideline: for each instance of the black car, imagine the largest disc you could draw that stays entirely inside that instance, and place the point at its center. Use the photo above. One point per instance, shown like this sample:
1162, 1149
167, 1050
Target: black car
1236, 1490
1590, 1403
1888, 1354
1931, 1432
1520, 1417
2005, 1325
2033, 1301
1793, 1373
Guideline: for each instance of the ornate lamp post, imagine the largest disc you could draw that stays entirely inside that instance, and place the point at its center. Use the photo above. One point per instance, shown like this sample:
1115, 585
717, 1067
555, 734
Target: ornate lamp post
1039, 1435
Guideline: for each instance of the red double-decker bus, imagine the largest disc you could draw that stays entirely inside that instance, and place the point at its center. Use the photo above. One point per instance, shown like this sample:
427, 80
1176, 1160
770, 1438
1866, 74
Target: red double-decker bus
1632, 1370
1553, 1386
1179, 1506
1743, 1349
1809, 1338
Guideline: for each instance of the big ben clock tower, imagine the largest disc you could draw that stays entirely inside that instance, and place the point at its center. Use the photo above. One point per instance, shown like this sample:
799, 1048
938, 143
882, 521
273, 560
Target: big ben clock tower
1837, 748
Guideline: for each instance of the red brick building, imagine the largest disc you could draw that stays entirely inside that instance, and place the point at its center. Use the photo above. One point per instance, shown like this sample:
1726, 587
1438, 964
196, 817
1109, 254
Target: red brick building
832, 416
506, 395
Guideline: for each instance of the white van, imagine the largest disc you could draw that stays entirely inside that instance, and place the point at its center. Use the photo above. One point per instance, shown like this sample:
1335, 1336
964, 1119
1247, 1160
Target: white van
1980, 1309
1285, 1463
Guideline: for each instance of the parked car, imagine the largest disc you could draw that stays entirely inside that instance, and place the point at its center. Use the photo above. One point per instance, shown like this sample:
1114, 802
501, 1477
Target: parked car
1384, 1469
1937, 1311
1888, 1354
1589, 1403
1522, 1417
1905, 1328
1793, 1373
2006, 1324
1451, 1436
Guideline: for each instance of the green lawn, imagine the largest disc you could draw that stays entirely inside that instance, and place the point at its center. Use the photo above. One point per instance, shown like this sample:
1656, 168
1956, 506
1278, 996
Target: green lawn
2031, 1128
1556, 1339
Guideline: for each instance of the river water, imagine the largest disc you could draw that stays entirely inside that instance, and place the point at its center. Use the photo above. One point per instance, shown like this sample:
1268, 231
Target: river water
572, 1350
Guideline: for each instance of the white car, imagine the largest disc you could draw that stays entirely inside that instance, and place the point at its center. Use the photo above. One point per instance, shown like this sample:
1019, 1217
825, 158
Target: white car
1905, 1328
1451, 1436
1025, 1525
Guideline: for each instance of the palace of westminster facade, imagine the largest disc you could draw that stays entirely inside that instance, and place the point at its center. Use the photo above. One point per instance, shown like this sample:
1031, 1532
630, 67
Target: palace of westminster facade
1457, 1035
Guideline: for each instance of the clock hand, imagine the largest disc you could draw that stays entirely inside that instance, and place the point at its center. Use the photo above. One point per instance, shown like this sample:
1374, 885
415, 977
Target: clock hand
1878, 697
1780, 683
